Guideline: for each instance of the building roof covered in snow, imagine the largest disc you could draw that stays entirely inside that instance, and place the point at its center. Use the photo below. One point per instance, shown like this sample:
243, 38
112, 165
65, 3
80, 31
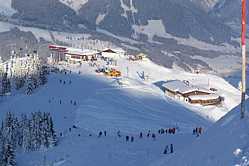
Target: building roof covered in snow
114, 50
76, 51
204, 97
183, 87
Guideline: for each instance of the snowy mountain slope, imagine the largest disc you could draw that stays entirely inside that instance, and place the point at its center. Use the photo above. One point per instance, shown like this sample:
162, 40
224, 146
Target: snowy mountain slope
207, 5
167, 55
6, 8
225, 143
103, 104
74, 4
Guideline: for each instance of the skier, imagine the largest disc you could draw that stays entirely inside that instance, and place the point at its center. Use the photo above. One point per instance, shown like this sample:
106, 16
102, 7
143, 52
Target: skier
166, 149
127, 138
162, 131
141, 135
200, 130
74, 103
105, 133
174, 130
148, 135
194, 132
154, 136
171, 148
118, 133
132, 138
60, 81
60, 101
70, 129
100, 134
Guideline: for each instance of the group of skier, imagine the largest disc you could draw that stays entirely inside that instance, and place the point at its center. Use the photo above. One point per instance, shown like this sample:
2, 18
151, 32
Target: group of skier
168, 149
64, 82
73, 102
102, 133
197, 131
167, 131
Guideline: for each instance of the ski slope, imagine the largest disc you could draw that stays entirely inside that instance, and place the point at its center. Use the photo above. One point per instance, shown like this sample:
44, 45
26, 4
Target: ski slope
225, 143
103, 104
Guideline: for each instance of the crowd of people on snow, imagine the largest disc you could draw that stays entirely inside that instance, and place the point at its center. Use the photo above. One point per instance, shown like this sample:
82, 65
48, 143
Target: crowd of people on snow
168, 149
131, 138
197, 131
72, 102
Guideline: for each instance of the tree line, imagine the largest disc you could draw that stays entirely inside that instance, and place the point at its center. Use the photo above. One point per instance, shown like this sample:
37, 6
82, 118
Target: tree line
26, 133
27, 82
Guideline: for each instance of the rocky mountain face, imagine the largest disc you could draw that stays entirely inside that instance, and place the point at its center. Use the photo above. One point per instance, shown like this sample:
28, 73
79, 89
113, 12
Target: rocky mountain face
171, 31
228, 11
179, 18
206, 5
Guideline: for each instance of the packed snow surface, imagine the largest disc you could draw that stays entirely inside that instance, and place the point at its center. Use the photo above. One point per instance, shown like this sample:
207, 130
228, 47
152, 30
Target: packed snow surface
225, 143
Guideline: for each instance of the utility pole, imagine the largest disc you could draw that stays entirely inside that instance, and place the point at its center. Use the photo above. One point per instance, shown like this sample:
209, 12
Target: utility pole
243, 51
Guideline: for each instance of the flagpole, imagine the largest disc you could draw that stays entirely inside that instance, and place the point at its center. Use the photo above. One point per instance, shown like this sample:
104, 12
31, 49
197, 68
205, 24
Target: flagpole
243, 51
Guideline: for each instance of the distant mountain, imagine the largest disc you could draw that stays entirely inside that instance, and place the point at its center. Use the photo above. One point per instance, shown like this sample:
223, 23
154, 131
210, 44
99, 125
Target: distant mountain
229, 11
124, 17
181, 32
206, 5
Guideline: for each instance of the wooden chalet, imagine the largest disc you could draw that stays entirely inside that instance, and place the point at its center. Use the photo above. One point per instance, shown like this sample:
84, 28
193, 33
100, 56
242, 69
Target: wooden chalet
111, 53
191, 94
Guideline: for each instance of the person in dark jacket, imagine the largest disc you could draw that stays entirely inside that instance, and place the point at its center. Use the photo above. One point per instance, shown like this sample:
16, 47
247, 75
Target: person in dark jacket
141, 135
171, 148
154, 136
100, 134
118, 133
148, 135
166, 150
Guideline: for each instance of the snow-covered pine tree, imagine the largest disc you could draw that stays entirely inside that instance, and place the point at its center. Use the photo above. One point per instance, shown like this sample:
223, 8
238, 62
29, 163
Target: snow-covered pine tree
8, 155
19, 82
30, 86
27, 137
43, 76
1, 151
52, 135
45, 130
6, 85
